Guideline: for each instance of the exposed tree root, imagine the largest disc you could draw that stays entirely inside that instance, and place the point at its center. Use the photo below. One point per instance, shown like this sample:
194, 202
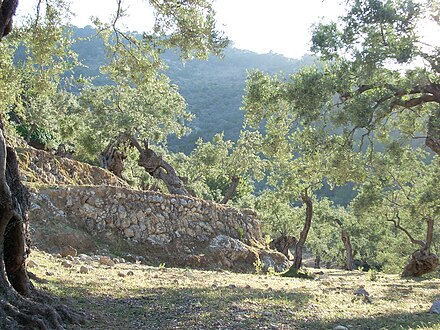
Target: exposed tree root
43, 312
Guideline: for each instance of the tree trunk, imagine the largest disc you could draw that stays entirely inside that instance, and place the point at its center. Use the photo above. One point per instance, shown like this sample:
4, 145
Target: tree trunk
159, 169
318, 261
422, 260
7, 11
235, 180
297, 258
112, 159
349, 263
21, 306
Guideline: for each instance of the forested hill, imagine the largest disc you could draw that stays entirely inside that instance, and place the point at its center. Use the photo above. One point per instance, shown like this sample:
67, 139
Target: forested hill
213, 89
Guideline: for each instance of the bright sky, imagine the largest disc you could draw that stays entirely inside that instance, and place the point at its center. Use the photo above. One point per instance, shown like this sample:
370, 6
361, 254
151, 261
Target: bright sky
281, 26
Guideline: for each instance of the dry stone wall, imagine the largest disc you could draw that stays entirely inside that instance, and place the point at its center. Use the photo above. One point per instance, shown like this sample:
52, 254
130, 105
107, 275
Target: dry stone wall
75, 204
144, 216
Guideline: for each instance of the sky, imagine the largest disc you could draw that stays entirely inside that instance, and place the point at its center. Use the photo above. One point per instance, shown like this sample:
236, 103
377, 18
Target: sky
280, 26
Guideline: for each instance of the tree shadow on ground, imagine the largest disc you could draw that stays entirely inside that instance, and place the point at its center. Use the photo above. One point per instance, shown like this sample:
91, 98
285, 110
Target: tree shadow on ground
228, 307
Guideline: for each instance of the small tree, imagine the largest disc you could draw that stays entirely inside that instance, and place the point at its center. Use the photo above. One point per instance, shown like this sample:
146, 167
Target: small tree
300, 147
237, 164
403, 189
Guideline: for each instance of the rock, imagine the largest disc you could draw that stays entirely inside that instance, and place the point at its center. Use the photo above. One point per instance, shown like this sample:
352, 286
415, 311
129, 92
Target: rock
69, 251
84, 257
121, 274
435, 308
31, 264
106, 261
340, 327
66, 264
84, 270
362, 294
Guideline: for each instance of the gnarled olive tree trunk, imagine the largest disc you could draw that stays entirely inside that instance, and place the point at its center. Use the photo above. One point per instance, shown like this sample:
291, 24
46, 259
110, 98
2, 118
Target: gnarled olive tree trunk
159, 168
349, 254
422, 260
297, 257
21, 306
112, 159
113, 156
235, 180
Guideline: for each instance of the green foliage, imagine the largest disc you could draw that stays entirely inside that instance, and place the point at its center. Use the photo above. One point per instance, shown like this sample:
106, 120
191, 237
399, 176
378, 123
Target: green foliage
372, 275
215, 163
258, 264
352, 119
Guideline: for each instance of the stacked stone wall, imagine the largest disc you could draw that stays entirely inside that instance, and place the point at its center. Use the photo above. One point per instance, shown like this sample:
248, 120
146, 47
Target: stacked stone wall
144, 216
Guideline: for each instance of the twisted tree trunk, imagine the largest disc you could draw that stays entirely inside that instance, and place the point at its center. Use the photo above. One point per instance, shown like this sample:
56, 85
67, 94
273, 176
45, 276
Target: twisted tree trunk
112, 159
235, 180
21, 306
422, 260
349, 260
297, 258
159, 168
345, 238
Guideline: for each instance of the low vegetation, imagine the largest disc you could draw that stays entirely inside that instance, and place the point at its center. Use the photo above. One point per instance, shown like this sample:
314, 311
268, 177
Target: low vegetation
135, 296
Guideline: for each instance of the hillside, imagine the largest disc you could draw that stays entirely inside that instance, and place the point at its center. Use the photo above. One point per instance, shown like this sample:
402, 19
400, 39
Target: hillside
213, 89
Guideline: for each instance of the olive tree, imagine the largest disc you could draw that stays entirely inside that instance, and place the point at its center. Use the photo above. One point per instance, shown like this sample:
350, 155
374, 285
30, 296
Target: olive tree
186, 24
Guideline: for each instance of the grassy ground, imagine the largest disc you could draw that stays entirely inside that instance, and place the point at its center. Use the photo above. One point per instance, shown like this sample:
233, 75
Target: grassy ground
170, 298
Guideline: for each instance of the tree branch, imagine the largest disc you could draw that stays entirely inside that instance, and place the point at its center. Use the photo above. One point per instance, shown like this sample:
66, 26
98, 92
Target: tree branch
398, 226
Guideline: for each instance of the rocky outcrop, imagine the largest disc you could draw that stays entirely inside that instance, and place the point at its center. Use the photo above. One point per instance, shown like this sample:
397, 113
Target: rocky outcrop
38, 166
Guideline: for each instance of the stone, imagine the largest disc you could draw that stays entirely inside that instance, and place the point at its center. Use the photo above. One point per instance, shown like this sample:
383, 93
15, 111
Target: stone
106, 261
84, 270
435, 308
66, 264
69, 251
340, 327
32, 264
84, 257
129, 232
121, 274
362, 294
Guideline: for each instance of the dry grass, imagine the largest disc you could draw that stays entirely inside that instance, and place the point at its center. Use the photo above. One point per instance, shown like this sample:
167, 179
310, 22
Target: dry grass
170, 298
